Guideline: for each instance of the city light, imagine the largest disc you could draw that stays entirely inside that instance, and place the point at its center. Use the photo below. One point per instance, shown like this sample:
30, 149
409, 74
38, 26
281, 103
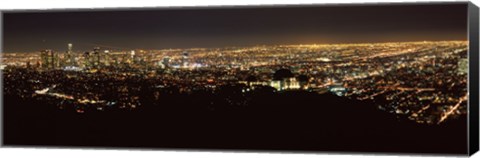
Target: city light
424, 81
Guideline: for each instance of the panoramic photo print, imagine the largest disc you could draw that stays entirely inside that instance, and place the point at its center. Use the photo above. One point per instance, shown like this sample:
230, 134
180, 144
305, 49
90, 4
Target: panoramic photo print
316, 78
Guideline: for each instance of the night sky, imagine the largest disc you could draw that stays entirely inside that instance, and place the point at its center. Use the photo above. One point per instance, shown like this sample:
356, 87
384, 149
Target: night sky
218, 27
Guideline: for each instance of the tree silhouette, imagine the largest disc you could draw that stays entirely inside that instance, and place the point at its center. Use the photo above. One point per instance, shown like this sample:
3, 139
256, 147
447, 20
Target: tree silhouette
282, 74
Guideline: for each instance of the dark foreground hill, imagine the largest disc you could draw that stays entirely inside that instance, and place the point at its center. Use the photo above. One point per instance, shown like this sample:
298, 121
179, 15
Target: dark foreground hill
294, 121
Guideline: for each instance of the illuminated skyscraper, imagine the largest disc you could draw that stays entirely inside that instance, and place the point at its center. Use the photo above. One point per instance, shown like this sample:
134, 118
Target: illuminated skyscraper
106, 58
55, 60
132, 57
44, 58
50, 60
69, 57
96, 57
87, 60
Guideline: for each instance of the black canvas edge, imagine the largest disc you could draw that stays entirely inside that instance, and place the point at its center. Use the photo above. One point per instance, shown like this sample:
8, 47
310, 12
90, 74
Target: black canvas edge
473, 89
473, 54
1, 82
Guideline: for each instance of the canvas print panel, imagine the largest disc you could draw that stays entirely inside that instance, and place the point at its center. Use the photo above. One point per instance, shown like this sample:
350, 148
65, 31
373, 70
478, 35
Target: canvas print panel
359, 78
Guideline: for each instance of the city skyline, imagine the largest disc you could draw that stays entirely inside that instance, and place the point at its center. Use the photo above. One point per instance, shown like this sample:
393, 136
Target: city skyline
220, 27
347, 70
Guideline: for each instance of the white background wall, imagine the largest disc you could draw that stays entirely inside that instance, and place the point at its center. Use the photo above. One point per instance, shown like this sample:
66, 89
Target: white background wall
111, 153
